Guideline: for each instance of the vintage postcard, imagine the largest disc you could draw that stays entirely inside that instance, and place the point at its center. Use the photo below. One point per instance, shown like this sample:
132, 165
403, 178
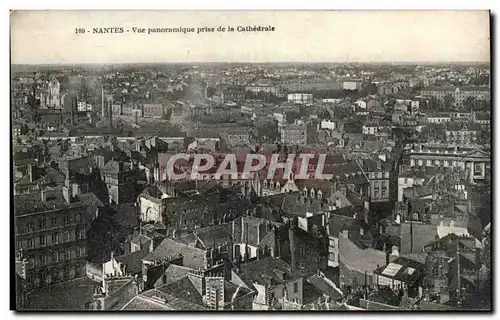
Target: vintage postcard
251, 160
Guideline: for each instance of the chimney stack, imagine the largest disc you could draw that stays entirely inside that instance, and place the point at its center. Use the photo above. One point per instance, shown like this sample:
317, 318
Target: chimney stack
292, 244
31, 172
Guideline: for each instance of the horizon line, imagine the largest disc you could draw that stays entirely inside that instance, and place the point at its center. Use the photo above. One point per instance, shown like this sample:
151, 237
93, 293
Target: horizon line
253, 62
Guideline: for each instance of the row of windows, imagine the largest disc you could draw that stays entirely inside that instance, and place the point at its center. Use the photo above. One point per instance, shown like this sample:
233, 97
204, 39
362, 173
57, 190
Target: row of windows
376, 194
54, 276
384, 184
379, 175
54, 257
44, 223
53, 239
445, 163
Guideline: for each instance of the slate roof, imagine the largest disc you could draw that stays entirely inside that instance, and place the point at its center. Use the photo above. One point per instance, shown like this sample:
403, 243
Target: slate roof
422, 235
338, 223
156, 300
184, 289
213, 236
358, 259
267, 271
68, 296
132, 261
325, 286
32, 203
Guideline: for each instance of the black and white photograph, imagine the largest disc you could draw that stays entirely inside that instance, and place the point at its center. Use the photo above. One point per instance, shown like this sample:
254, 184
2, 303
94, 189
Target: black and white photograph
201, 161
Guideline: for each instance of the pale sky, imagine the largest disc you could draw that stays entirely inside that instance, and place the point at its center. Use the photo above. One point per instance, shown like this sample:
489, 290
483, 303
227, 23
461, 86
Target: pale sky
300, 36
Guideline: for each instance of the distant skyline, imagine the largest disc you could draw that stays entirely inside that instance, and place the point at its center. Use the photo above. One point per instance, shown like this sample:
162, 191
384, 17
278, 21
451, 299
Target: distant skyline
411, 37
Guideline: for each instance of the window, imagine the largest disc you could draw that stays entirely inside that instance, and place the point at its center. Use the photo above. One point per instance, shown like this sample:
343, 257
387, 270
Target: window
30, 243
296, 287
53, 222
31, 263
55, 238
55, 257
43, 240
415, 216
41, 223
79, 234
377, 194
77, 218
66, 236
30, 227
67, 220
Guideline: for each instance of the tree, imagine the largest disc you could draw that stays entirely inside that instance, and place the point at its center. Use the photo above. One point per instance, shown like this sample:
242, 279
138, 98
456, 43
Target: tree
105, 235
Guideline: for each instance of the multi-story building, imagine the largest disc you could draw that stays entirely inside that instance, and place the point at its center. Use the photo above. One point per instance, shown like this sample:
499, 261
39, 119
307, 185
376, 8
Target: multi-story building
50, 238
409, 179
439, 118
475, 161
274, 282
263, 86
352, 84
459, 95
82, 106
120, 182
295, 134
300, 98
379, 174
156, 111
236, 136
461, 135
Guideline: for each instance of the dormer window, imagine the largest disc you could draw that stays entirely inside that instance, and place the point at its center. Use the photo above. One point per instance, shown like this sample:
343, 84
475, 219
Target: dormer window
320, 194
312, 193
415, 216
304, 192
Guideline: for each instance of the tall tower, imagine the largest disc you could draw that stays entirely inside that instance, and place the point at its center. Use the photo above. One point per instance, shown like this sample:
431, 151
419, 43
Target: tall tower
110, 113
103, 109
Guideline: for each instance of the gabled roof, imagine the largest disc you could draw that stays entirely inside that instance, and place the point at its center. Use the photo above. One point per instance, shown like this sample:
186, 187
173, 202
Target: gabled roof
267, 271
326, 286
132, 261
402, 269
184, 289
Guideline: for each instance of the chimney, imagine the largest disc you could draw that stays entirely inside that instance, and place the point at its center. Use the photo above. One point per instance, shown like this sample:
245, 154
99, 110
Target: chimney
292, 244
333, 188
32, 172
67, 194
395, 251
387, 257
379, 165
452, 223
43, 195
120, 166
